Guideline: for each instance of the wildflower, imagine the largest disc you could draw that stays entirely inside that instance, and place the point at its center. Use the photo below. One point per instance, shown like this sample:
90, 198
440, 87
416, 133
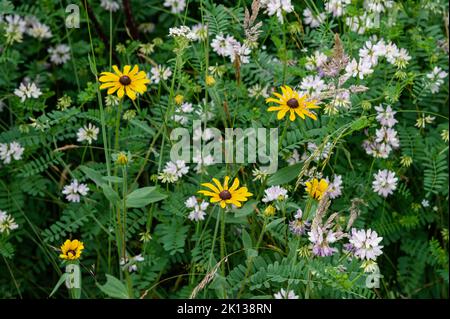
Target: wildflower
110, 5
385, 116
334, 189
183, 32
200, 31
111, 100
316, 61
406, 160
7, 223
176, 6
129, 115
425, 203
283, 294
402, 58
270, 211
27, 91
130, 82
298, 226
39, 31
223, 46
224, 195
147, 48
385, 182
277, 7
199, 208
378, 5
145, 237
59, 54
366, 244
179, 99
370, 266
336, 7
321, 238
387, 135
87, 133
312, 19
10, 151
15, 28
444, 135
359, 69
64, 102
74, 190
294, 158
436, 79
209, 80
173, 171
147, 27
319, 153
274, 193
258, 91
159, 73
259, 174
122, 158
71, 249
131, 263
294, 103
423, 120
312, 85
316, 188
202, 160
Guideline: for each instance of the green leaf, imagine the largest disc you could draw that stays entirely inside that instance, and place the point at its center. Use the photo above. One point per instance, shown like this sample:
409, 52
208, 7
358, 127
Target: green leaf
285, 175
246, 209
95, 176
114, 288
110, 194
112, 179
274, 223
58, 284
143, 196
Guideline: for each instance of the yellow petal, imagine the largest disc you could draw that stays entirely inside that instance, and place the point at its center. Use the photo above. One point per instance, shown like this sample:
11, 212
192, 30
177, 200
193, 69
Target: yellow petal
219, 185
120, 92
292, 115
225, 182
107, 85
130, 93
116, 69
212, 187
113, 89
126, 69
235, 184
282, 113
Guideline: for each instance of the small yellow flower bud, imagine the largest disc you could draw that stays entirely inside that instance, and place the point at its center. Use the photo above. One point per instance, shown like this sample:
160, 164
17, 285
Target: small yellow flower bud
122, 158
269, 211
179, 99
209, 80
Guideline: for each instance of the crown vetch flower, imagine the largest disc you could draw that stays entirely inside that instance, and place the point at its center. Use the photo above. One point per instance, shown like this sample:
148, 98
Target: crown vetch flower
294, 103
130, 82
221, 193
71, 249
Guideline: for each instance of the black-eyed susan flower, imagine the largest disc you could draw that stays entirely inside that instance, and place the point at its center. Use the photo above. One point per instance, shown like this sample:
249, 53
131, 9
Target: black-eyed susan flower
71, 249
221, 193
130, 82
294, 103
316, 188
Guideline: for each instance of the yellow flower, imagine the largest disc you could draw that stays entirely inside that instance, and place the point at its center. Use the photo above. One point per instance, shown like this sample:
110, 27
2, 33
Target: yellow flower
293, 102
270, 211
209, 80
224, 195
71, 249
316, 188
129, 82
179, 99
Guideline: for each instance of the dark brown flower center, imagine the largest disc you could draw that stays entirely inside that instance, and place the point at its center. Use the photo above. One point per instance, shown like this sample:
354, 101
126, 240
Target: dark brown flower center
125, 80
73, 252
224, 195
293, 103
